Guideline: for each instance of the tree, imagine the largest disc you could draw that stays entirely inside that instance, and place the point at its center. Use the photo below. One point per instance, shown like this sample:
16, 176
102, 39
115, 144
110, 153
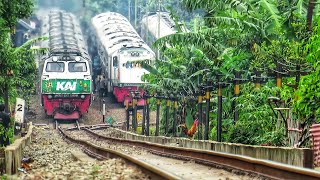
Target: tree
255, 34
10, 12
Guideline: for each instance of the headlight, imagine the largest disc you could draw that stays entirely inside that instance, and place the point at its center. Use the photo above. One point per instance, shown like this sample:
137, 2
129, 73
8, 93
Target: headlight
82, 96
77, 58
49, 96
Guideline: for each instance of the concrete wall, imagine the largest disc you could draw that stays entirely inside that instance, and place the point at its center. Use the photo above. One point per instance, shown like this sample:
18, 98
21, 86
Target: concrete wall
302, 157
14, 152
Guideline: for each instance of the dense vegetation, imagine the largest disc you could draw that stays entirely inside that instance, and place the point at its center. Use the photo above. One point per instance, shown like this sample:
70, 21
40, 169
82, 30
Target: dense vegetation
246, 36
250, 36
18, 69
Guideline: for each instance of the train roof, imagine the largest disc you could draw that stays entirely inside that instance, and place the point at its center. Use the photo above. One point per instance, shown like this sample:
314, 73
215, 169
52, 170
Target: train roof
167, 25
64, 33
116, 32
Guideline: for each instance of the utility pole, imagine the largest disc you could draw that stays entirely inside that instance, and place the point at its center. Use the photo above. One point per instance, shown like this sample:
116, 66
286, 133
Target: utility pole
147, 22
159, 2
129, 10
135, 13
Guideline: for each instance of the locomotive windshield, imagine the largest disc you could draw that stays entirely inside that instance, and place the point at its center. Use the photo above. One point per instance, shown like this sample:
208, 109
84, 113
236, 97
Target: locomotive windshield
77, 67
55, 67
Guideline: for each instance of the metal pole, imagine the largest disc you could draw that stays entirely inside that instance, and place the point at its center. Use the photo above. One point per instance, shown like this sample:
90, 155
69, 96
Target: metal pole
134, 115
148, 117
236, 95
167, 116
157, 118
144, 115
206, 131
219, 115
127, 113
199, 115
175, 106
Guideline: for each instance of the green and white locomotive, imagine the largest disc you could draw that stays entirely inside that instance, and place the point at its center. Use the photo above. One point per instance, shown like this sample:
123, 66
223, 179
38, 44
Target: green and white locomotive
66, 69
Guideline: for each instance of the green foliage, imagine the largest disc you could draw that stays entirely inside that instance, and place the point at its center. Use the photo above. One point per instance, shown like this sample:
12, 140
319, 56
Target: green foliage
11, 11
307, 96
21, 62
182, 74
18, 69
238, 35
95, 171
256, 122
7, 133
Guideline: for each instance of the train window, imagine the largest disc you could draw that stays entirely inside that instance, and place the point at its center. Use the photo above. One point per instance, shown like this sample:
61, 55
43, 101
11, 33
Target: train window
77, 67
115, 61
129, 64
55, 67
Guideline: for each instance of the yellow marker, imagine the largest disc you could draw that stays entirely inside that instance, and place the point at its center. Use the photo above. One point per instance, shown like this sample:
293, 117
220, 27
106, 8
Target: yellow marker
237, 89
138, 116
279, 82
207, 95
219, 91
168, 102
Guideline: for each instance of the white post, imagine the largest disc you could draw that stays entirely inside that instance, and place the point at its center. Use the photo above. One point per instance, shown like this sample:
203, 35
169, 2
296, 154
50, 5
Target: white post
103, 111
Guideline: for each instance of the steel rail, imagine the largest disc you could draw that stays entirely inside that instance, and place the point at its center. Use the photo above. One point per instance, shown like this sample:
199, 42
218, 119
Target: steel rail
265, 168
154, 172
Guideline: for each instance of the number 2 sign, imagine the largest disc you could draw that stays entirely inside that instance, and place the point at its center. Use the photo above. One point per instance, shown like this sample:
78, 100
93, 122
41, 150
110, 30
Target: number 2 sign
19, 115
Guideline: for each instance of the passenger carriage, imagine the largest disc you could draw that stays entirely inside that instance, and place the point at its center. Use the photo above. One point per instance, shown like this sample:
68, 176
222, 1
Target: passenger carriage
120, 48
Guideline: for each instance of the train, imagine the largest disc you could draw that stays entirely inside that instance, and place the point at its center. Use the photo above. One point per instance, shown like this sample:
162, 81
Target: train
150, 26
120, 49
65, 70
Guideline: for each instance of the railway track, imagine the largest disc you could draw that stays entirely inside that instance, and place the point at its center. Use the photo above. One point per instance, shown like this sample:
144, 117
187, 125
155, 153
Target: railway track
101, 153
234, 163
70, 124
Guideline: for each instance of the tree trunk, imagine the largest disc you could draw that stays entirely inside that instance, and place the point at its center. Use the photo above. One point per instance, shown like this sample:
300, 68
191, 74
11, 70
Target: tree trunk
6, 97
309, 14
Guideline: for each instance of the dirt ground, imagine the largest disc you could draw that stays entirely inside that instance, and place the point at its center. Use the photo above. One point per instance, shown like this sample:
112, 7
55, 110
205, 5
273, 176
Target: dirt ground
114, 110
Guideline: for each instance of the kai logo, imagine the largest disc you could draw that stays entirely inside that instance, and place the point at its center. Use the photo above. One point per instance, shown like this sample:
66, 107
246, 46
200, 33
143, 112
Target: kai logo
64, 86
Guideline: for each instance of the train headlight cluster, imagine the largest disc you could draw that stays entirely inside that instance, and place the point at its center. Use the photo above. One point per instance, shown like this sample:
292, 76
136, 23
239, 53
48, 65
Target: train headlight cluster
135, 54
82, 96
66, 58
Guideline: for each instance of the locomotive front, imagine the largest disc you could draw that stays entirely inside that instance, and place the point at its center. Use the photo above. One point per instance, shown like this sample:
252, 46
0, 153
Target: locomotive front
66, 69
66, 86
